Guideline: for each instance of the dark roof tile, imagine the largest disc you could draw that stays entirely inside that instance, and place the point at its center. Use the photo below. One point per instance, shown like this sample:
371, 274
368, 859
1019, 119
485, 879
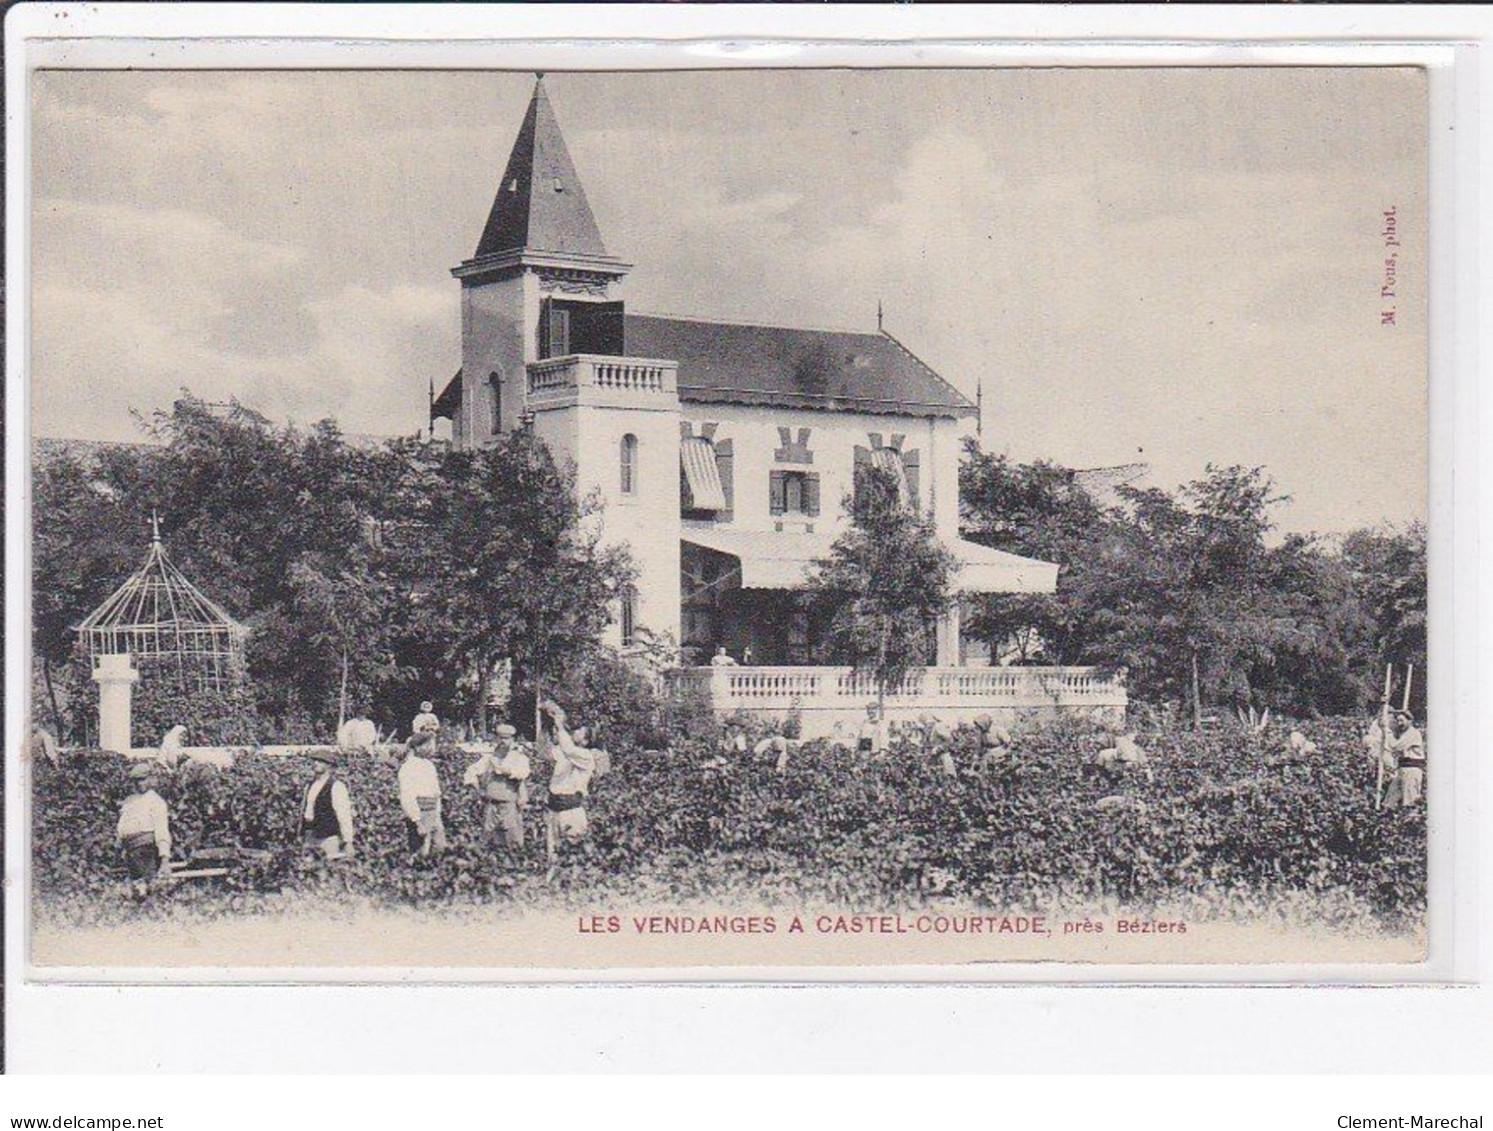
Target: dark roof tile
540, 205
738, 363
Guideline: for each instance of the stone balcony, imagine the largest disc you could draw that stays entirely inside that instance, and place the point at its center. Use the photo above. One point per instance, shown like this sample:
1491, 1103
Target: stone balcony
829, 695
596, 379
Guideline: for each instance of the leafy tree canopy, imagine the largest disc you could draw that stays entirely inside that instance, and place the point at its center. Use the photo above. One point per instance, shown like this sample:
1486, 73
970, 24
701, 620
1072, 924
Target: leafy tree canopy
886, 581
370, 576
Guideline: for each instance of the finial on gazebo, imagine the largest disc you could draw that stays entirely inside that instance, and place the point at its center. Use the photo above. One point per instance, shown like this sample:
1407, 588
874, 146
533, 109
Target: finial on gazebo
162, 619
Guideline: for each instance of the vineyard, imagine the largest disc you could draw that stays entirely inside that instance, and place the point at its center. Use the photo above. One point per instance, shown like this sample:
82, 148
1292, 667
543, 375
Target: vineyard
1228, 823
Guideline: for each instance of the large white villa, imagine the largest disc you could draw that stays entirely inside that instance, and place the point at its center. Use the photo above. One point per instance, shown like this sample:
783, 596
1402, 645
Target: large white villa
722, 452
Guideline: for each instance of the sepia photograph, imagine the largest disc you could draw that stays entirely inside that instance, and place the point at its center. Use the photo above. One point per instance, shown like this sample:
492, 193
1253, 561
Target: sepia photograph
823, 519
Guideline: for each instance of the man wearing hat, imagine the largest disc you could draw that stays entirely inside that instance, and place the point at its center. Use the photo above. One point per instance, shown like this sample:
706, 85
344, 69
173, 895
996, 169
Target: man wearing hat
500, 775
144, 831
1409, 750
995, 744
420, 796
327, 815
426, 721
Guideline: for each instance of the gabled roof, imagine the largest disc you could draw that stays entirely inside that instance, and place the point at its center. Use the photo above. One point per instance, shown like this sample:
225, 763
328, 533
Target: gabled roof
448, 404
1102, 483
540, 205
741, 363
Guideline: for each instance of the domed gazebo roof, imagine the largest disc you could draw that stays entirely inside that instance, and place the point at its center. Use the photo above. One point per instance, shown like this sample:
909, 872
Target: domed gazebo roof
164, 621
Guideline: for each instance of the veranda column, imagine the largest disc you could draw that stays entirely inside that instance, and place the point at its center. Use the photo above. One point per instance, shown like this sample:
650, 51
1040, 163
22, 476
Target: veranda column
946, 638
115, 676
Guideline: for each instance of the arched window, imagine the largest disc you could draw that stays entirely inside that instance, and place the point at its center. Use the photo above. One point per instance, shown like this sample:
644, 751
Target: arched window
629, 464
495, 401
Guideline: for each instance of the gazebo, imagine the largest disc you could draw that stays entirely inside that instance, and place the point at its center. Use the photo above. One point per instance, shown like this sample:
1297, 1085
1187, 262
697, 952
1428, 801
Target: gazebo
166, 625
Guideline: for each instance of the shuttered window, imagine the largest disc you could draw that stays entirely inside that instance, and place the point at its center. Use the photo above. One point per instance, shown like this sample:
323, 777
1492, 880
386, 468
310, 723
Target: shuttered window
725, 465
793, 492
558, 331
571, 326
911, 467
889, 460
629, 615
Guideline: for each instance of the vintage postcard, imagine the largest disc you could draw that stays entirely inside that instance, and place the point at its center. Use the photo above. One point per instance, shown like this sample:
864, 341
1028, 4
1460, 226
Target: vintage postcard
726, 520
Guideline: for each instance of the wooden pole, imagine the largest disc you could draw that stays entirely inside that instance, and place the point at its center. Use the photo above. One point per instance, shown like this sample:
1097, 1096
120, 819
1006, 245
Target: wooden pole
1409, 677
1383, 738
1197, 695
342, 695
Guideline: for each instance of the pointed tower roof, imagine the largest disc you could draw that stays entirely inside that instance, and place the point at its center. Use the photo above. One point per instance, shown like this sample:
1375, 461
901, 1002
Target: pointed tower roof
540, 204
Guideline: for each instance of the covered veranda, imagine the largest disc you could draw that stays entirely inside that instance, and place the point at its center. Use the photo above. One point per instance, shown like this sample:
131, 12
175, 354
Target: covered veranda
744, 590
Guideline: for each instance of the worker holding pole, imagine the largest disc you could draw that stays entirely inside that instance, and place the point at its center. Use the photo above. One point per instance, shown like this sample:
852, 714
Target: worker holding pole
1409, 751
1377, 741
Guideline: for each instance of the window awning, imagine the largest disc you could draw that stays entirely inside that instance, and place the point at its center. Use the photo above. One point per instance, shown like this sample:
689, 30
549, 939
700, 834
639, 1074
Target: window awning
773, 560
995, 571
697, 456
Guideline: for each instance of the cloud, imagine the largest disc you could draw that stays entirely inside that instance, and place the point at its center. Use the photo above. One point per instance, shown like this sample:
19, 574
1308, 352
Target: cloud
183, 301
1171, 266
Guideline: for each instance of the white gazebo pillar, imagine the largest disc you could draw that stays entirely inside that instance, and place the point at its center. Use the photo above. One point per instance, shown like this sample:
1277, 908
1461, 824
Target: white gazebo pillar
115, 676
946, 638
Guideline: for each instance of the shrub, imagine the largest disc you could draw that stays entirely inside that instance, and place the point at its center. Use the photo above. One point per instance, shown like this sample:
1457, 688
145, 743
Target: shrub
1228, 824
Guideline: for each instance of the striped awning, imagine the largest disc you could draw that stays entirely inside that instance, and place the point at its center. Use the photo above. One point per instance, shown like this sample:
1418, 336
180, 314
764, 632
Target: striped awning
697, 457
890, 461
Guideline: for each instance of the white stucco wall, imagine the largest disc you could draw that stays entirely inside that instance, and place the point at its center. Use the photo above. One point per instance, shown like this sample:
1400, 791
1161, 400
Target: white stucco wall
499, 322
833, 438
646, 520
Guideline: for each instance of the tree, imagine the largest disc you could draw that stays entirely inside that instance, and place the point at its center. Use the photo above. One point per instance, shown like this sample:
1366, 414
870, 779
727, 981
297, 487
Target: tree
366, 574
1388, 567
1038, 510
886, 581
1197, 610
504, 563
1321, 662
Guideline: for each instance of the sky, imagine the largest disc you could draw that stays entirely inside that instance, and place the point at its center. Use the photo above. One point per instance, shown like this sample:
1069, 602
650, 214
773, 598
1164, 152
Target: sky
1176, 266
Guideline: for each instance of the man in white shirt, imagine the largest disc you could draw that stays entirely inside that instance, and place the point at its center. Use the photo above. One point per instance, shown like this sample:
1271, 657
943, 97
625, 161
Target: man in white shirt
565, 819
144, 830
1409, 749
722, 658
327, 815
420, 797
357, 733
935, 739
995, 745
501, 776
426, 721
1125, 755
172, 744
